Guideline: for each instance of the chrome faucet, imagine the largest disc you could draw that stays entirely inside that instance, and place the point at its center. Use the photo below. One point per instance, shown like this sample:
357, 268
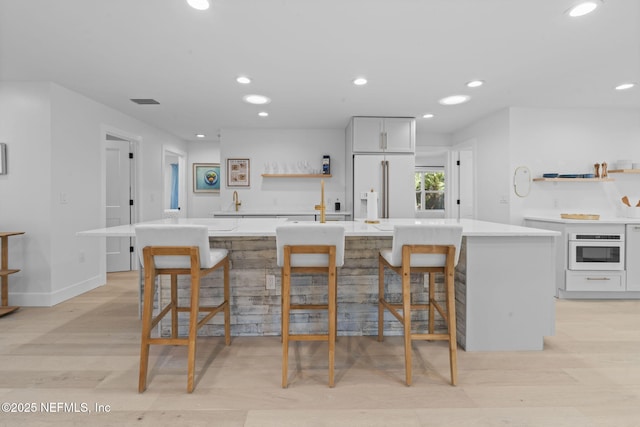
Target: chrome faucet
322, 207
236, 200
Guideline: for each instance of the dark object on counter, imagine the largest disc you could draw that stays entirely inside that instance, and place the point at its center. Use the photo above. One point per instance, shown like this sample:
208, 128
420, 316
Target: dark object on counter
597, 168
326, 165
337, 206
549, 175
604, 170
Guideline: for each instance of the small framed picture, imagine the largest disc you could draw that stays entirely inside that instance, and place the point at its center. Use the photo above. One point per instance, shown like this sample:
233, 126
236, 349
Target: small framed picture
238, 172
206, 177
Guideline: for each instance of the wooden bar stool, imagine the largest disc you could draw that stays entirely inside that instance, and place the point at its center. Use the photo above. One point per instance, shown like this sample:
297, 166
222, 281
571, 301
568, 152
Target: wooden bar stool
178, 250
309, 249
422, 249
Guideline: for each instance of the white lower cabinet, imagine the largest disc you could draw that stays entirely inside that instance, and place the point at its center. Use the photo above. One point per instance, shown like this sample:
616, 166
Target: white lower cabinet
633, 257
602, 281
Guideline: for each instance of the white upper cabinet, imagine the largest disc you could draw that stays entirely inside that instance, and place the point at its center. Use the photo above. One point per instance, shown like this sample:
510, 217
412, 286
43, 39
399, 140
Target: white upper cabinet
383, 134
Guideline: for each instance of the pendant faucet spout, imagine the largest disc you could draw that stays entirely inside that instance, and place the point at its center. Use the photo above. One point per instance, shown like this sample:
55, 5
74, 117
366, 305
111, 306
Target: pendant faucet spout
322, 207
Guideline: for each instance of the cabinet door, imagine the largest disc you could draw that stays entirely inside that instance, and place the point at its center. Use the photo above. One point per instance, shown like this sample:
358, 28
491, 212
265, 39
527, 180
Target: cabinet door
632, 254
399, 135
367, 176
402, 193
367, 134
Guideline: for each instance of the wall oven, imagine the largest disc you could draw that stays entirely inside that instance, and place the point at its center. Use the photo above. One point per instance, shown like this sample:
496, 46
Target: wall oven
589, 251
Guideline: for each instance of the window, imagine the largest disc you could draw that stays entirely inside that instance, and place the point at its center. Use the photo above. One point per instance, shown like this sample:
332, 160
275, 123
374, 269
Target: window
429, 188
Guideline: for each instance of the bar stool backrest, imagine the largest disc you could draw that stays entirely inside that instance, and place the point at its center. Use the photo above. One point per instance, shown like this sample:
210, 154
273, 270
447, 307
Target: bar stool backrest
174, 235
308, 235
425, 234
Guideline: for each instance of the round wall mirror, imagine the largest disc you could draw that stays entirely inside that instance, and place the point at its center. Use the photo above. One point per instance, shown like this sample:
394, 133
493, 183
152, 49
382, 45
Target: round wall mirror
522, 181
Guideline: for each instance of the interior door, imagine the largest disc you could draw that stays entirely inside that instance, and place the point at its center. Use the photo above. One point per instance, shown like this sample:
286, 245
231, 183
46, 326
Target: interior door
466, 189
118, 206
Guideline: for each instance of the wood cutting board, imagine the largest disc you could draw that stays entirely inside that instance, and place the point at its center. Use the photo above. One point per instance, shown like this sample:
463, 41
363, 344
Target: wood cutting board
580, 216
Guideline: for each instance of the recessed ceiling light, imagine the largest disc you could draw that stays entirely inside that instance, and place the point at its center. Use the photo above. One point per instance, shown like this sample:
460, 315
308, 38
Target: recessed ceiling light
583, 8
243, 80
454, 99
625, 86
428, 116
360, 81
475, 83
200, 135
199, 4
263, 114
256, 99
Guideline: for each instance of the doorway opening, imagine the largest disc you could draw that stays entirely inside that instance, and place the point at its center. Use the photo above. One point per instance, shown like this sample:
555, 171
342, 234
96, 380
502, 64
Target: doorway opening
174, 173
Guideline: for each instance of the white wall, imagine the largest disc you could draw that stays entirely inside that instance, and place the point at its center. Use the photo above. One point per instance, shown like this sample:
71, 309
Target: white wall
290, 146
572, 141
56, 187
547, 141
491, 163
202, 204
427, 139
25, 192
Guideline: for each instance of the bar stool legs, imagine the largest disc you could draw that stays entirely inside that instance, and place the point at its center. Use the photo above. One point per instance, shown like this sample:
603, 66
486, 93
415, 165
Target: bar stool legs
331, 306
448, 315
149, 322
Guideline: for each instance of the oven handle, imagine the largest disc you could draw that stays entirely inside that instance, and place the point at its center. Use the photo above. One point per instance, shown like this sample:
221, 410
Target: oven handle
598, 278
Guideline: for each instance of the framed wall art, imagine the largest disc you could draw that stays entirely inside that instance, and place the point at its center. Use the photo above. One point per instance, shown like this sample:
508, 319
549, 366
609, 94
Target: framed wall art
206, 177
238, 172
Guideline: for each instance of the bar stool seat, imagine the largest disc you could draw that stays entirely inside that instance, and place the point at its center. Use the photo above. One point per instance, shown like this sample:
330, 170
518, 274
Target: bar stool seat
418, 248
309, 249
178, 250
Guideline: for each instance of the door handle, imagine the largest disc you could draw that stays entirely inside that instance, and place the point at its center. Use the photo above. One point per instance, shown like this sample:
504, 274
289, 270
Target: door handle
598, 278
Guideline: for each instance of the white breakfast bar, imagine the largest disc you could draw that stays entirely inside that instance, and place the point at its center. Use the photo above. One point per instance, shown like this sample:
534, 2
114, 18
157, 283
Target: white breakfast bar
504, 281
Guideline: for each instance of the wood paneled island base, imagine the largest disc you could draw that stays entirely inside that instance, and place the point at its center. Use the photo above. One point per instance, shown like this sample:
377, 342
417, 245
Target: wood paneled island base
504, 282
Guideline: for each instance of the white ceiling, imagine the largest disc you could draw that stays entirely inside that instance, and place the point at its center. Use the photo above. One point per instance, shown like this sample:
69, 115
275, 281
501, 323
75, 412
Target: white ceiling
305, 53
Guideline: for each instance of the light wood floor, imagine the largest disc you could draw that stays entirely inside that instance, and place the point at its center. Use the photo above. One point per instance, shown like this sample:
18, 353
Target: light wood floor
85, 352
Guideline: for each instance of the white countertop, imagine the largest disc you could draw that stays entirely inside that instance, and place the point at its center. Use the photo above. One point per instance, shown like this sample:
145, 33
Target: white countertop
248, 227
602, 220
277, 212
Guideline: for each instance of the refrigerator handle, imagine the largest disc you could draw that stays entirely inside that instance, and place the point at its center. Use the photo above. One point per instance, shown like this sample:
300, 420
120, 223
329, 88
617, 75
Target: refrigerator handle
385, 189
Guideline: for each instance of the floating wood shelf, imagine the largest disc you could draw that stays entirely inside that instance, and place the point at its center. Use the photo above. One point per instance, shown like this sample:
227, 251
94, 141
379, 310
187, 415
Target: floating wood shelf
295, 175
625, 171
5, 271
574, 179
580, 216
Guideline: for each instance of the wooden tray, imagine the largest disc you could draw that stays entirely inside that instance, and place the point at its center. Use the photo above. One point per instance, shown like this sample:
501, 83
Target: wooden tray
580, 216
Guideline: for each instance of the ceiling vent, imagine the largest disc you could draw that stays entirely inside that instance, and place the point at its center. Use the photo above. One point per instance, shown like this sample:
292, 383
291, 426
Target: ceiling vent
144, 101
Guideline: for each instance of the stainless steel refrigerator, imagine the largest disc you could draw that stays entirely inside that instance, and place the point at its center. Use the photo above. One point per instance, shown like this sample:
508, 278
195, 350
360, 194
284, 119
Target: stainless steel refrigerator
392, 176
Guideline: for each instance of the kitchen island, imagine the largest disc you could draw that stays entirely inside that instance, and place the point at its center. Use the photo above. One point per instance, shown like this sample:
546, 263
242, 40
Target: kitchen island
504, 281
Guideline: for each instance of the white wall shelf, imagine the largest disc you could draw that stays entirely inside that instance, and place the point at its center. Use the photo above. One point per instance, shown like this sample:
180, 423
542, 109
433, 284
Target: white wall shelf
625, 171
